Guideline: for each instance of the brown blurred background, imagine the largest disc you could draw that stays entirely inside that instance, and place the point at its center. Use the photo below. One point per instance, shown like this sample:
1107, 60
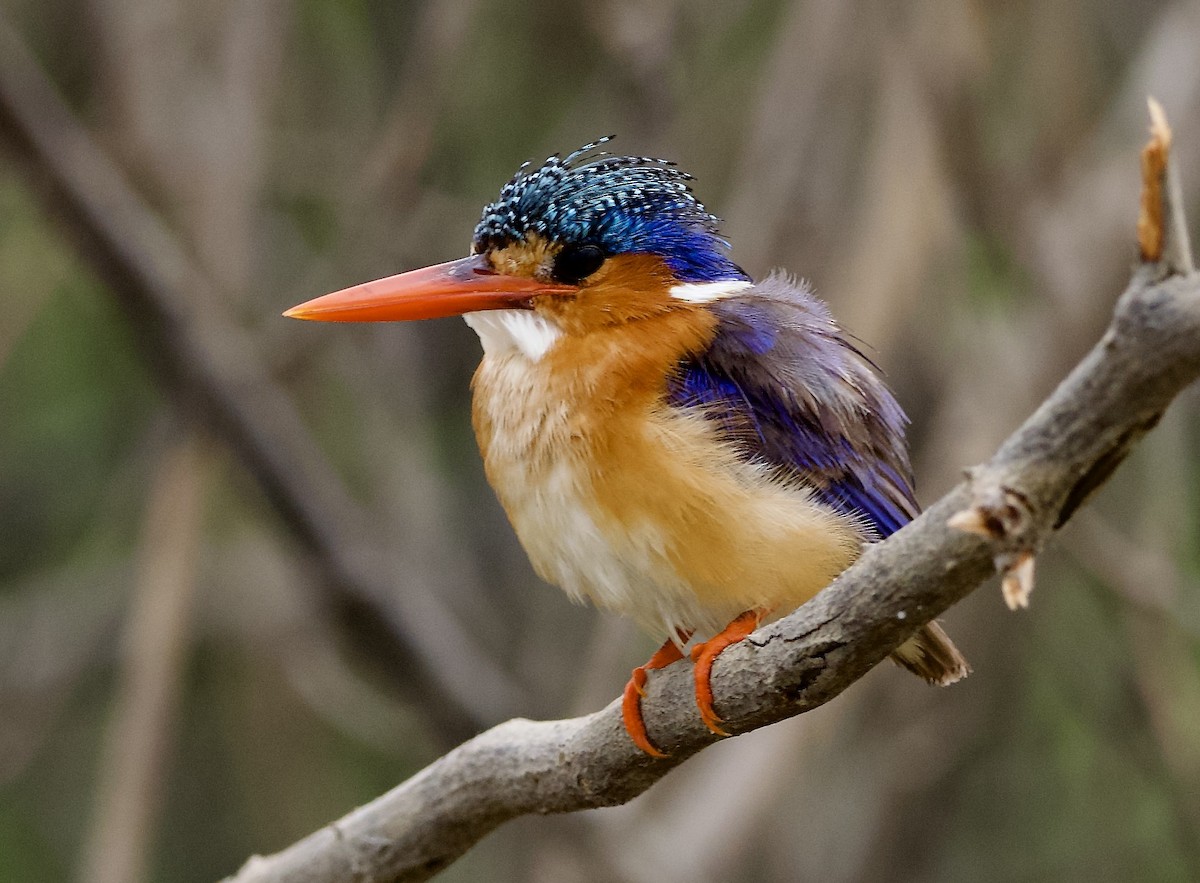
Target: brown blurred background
250, 572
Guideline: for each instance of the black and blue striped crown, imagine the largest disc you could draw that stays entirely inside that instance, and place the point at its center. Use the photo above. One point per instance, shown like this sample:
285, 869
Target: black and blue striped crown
623, 204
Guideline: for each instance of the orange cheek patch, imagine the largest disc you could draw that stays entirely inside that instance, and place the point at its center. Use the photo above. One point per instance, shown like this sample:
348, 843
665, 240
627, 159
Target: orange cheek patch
627, 287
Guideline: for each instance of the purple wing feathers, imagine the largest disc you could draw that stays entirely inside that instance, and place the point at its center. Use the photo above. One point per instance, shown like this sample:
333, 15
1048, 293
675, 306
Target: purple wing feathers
789, 389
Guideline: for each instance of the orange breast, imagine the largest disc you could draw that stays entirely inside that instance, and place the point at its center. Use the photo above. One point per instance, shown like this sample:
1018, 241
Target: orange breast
637, 506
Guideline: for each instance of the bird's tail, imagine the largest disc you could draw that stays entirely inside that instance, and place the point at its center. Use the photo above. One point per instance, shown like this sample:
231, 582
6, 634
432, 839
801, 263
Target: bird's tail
931, 654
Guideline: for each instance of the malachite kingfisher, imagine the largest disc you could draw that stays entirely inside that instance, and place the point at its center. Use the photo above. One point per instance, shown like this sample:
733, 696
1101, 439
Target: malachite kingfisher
670, 439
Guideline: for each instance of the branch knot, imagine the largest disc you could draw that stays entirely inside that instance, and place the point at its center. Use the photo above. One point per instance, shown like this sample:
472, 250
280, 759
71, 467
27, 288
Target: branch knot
1004, 516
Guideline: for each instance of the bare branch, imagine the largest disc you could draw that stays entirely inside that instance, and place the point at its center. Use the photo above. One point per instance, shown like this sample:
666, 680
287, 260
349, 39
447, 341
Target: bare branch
1050, 466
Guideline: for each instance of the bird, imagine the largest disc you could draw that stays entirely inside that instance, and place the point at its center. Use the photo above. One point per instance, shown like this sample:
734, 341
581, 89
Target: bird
670, 439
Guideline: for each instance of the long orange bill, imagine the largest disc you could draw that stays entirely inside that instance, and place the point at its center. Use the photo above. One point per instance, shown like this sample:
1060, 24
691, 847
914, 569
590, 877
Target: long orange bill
449, 289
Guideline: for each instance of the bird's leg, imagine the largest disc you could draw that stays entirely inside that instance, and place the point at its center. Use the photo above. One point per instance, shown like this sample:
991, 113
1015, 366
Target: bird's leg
705, 654
631, 702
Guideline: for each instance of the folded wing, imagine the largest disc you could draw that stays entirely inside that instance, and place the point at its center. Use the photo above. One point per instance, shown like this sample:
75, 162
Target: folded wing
788, 388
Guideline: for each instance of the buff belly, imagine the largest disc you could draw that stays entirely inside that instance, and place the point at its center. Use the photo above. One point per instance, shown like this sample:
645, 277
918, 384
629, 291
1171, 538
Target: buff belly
637, 507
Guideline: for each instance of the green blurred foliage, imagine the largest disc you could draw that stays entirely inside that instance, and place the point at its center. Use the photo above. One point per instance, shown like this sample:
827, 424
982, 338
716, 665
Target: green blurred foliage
358, 138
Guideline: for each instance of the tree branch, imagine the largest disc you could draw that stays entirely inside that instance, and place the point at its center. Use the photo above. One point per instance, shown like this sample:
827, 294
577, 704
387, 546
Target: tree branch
1030, 488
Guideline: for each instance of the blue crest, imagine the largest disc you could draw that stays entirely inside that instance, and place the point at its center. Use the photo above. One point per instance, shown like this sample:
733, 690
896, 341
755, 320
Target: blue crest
623, 204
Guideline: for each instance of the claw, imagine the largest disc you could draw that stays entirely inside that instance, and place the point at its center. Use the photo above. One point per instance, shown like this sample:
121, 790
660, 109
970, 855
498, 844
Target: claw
635, 690
638, 681
705, 654
631, 713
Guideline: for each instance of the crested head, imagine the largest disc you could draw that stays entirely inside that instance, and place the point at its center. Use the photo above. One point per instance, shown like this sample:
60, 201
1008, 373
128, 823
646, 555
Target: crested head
575, 245
591, 205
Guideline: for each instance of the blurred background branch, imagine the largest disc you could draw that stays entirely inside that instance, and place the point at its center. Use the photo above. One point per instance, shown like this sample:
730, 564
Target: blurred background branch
213, 366
156, 641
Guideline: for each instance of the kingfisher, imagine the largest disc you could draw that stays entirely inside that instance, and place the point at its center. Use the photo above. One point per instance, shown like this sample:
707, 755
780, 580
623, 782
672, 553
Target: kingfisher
670, 439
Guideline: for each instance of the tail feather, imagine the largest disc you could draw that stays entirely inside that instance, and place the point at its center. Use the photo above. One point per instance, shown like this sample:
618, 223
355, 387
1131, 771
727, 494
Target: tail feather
931, 654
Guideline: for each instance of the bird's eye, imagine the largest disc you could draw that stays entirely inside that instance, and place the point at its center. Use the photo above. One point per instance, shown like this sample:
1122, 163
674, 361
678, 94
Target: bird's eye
576, 262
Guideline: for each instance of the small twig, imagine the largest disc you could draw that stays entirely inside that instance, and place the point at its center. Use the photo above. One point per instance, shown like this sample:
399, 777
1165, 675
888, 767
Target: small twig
1150, 228
1162, 228
1016, 582
1001, 515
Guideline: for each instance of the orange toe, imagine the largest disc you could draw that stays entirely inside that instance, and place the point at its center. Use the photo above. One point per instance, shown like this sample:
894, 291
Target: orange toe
631, 700
631, 714
705, 654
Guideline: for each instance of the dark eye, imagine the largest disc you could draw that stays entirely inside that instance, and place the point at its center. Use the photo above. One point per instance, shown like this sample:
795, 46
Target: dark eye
576, 262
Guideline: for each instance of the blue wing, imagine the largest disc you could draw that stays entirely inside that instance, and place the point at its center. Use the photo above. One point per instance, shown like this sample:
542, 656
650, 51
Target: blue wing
790, 390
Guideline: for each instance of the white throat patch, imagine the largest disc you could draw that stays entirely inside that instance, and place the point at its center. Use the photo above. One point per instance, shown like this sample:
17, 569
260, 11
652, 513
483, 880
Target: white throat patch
522, 330
707, 292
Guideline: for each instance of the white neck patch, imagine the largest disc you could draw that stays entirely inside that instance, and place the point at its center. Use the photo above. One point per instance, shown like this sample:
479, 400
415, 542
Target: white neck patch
707, 292
502, 331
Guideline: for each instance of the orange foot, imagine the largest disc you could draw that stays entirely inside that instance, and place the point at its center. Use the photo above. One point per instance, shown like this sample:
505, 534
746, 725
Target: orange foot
631, 702
705, 654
